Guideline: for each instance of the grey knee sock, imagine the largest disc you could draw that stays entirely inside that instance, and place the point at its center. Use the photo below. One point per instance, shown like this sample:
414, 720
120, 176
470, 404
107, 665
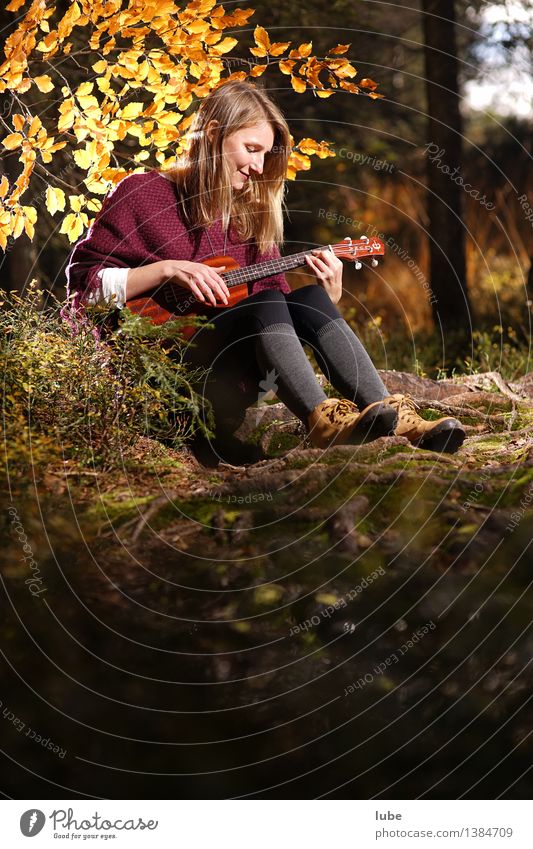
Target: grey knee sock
288, 372
347, 365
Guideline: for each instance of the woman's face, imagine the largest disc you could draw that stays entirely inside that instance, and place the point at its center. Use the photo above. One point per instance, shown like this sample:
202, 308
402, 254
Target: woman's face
245, 151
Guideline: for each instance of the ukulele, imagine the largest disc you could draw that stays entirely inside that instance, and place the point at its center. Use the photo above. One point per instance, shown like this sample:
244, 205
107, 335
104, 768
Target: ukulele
169, 300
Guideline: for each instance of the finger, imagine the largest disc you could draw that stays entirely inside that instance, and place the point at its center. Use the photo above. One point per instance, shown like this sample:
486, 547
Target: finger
219, 291
216, 278
317, 265
313, 262
206, 289
328, 258
321, 259
196, 291
215, 289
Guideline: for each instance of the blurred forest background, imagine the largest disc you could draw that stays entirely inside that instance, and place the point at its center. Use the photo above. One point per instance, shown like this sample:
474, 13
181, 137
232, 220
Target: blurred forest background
457, 281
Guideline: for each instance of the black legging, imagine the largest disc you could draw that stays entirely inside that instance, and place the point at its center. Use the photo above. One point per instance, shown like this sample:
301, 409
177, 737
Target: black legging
237, 370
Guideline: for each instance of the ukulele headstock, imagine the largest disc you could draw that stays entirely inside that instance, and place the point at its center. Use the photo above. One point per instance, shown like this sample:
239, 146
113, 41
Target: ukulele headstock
356, 249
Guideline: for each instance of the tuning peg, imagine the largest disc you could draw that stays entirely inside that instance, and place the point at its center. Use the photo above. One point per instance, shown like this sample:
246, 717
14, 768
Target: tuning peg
358, 265
374, 263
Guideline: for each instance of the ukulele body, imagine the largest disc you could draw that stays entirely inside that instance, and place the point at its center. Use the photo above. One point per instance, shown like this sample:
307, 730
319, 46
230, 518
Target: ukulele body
170, 300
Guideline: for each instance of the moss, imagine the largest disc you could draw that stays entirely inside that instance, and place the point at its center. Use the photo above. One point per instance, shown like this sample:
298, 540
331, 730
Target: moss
281, 443
116, 510
523, 418
201, 511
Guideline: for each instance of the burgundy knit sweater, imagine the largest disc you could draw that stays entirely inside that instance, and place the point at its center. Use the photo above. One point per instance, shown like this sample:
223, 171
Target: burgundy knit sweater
140, 223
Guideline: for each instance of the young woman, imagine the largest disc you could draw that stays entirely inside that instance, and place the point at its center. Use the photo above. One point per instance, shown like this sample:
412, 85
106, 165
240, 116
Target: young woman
225, 197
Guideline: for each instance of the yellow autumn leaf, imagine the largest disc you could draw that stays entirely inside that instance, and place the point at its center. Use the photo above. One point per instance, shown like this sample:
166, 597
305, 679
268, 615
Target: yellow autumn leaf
261, 37
76, 202
367, 83
35, 126
23, 86
15, 5
350, 86
258, 70
299, 161
94, 204
167, 119
4, 186
279, 47
55, 200
298, 84
324, 151
30, 217
73, 226
184, 101
50, 145
48, 43
198, 27
84, 89
89, 103
224, 46
83, 159
67, 114
44, 83
100, 67
5, 226
103, 84
308, 146
141, 156
286, 66
212, 38
305, 49
18, 223
236, 75
12, 141
18, 121
342, 68
324, 94
340, 48
131, 110
240, 16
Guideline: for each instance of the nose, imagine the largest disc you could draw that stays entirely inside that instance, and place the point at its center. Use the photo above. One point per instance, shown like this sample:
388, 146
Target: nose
257, 162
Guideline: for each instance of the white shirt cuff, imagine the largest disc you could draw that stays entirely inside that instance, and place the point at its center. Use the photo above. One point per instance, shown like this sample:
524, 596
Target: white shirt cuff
112, 289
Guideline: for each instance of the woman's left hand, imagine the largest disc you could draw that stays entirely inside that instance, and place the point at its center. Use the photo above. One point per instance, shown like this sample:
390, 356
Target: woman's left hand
328, 270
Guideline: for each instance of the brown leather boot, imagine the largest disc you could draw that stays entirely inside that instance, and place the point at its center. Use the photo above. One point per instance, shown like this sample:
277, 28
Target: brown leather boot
338, 422
444, 434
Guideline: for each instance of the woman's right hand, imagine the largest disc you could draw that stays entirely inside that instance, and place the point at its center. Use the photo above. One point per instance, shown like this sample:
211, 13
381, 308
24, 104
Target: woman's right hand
202, 280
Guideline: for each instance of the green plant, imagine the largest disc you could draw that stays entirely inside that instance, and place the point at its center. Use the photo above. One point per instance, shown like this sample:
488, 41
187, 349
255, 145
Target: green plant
69, 393
499, 350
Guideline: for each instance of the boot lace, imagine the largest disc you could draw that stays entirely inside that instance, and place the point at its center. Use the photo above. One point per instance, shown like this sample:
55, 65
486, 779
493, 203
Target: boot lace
342, 409
405, 407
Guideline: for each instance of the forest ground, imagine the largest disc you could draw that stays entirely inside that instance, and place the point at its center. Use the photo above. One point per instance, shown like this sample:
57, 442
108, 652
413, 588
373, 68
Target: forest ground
354, 622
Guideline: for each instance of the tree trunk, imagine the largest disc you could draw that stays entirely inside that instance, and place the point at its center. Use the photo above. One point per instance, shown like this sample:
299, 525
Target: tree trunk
451, 306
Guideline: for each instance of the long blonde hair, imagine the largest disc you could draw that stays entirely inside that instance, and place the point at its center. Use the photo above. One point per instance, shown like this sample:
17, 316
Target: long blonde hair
202, 176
